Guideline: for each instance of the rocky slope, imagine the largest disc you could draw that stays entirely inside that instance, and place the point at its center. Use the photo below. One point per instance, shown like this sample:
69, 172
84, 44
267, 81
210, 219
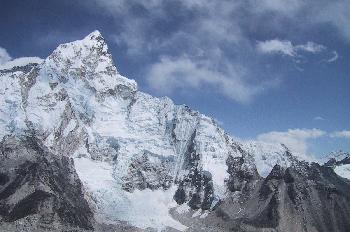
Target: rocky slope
36, 182
83, 148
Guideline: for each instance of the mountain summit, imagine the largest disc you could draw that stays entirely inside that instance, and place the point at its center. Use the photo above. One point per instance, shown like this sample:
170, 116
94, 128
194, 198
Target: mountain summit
82, 148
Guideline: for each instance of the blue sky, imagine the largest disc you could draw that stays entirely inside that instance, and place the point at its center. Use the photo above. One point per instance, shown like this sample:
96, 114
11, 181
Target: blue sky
272, 70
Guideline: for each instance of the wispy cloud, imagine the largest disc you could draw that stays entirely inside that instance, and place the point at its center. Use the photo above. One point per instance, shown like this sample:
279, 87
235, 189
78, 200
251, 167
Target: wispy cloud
4, 56
7, 62
318, 118
310, 47
334, 57
307, 13
295, 139
299, 140
181, 73
340, 134
296, 52
288, 8
335, 13
276, 46
285, 47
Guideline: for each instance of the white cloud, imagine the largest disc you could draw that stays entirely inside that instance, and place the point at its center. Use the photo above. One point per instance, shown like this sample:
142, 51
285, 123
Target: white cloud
4, 56
294, 139
298, 140
334, 57
318, 118
276, 46
340, 134
286, 47
6, 61
335, 13
182, 73
310, 47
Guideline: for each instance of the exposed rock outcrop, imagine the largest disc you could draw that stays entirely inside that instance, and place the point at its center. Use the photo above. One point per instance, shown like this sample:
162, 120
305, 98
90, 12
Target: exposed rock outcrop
37, 184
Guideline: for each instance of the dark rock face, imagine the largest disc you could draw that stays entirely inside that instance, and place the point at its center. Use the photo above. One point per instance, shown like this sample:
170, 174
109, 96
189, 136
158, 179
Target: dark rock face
242, 176
304, 197
334, 162
27, 206
3, 179
208, 191
36, 183
144, 173
196, 187
180, 195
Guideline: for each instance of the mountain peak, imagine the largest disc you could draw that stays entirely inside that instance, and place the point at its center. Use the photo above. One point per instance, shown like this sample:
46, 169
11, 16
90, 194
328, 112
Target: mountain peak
90, 60
92, 44
95, 34
94, 39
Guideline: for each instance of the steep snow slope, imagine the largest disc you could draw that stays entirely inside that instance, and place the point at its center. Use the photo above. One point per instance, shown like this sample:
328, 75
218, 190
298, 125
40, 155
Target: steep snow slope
343, 170
267, 155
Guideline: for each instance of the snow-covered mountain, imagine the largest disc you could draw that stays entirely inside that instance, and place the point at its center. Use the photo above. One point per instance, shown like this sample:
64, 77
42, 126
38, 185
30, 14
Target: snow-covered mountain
139, 161
340, 161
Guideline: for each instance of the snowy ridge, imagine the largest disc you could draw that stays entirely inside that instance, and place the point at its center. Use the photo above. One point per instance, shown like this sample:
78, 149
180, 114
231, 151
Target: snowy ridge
127, 145
267, 155
19, 62
343, 171
338, 155
340, 161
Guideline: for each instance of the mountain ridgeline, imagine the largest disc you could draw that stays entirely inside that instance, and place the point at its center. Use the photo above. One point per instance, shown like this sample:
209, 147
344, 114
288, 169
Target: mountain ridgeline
83, 150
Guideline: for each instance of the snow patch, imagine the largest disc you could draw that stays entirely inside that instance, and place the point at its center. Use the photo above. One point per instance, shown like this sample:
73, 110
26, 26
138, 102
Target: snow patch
71, 126
184, 208
204, 214
343, 171
267, 155
197, 213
